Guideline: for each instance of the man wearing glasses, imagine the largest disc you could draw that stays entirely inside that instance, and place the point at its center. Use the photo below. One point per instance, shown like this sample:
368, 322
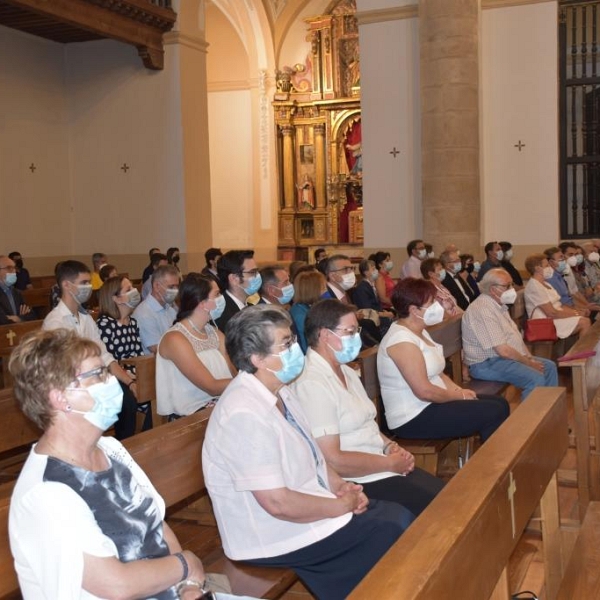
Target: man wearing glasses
492, 344
239, 279
12, 307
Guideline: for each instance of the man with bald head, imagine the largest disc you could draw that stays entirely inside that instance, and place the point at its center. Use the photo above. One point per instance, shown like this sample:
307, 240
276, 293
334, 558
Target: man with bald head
492, 344
12, 307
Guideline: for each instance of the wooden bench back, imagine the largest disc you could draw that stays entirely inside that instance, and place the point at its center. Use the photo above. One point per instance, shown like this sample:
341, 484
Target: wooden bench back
460, 545
8, 577
11, 335
39, 299
16, 430
448, 333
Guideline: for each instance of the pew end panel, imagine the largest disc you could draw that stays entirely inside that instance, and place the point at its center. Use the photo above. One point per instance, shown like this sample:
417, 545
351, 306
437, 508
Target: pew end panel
460, 545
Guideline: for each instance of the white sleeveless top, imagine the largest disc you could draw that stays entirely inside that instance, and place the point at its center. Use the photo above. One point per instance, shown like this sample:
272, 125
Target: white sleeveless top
175, 393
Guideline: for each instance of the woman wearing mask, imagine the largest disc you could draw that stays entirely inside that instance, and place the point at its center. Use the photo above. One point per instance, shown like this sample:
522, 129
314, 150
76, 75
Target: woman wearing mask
192, 366
543, 301
309, 286
468, 273
384, 284
173, 257
85, 520
342, 417
276, 500
433, 271
365, 295
420, 400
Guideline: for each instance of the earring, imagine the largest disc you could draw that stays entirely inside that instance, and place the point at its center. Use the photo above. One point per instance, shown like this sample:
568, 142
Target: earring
68, 408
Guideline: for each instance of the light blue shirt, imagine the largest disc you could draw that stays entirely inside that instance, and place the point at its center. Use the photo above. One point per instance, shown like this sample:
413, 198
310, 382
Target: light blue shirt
153, 320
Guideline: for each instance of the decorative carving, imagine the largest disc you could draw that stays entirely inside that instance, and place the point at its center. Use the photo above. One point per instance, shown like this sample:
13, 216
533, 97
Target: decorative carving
283, 80
153, 58
314, 42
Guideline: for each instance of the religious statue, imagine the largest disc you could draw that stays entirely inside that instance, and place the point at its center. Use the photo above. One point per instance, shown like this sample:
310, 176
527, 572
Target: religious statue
356, 151
306, 193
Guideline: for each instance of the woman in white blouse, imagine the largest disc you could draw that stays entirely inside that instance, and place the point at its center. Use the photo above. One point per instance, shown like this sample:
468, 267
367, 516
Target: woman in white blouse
542, 300
420, 400
342, 417
192, 366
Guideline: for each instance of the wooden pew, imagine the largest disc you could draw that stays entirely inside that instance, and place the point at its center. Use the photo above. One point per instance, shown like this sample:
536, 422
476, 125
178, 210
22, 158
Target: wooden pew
585, 374
10, 337
39, 300
459, 547
171, 456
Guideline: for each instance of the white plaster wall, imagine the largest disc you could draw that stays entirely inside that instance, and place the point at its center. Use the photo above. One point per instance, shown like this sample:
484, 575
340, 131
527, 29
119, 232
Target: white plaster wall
231, 168
520, 102
34, 207
121, 112
391, 118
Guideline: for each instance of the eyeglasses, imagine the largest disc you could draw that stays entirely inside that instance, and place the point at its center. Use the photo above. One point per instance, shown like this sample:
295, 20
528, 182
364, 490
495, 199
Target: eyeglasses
288, 343
349, 330
97, 375
343, 270
10, 269
506, 286
251, 272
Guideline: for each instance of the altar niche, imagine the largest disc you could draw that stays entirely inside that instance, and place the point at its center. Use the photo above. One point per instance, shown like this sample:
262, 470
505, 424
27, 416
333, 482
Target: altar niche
319, 138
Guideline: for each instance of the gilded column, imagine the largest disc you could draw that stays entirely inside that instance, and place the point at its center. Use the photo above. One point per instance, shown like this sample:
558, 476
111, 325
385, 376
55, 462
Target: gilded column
321, 165
289, 187
449, 66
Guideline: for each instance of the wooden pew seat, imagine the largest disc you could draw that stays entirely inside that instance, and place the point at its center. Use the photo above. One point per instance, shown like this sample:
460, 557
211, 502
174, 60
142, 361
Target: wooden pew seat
582, 575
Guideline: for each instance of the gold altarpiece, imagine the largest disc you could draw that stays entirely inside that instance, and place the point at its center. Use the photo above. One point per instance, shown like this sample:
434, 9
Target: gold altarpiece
318, 124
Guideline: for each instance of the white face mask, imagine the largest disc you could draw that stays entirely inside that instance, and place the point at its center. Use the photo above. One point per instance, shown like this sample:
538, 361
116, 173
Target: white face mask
572, 261
509, 254
422, 254
433, 315
548, 272
348, 281
593, 257
508, 296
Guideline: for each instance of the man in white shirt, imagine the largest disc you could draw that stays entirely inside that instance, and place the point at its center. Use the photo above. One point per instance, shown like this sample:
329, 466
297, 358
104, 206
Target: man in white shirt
416, 255
156, 314
74, 281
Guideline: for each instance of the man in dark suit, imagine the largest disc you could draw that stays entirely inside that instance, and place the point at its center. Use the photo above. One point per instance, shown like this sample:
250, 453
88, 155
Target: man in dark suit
12, 307
239, 279
453, 282
276, 286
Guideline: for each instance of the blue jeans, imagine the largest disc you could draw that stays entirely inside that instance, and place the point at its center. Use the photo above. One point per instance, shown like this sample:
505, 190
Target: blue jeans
520, 375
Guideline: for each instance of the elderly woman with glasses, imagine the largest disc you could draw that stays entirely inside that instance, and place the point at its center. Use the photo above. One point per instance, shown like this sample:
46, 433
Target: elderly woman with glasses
421, 401
276, 500
85, 521
342, 417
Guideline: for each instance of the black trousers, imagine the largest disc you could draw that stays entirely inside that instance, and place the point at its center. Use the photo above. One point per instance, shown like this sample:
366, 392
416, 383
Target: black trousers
333, 567
413, 491
458, 418
125, 425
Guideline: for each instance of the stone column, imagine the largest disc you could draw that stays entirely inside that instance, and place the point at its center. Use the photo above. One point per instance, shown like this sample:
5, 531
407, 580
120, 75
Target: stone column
449, 41
289, 186
320, 163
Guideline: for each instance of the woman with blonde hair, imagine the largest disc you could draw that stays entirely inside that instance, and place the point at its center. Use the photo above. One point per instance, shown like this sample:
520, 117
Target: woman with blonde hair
308, 288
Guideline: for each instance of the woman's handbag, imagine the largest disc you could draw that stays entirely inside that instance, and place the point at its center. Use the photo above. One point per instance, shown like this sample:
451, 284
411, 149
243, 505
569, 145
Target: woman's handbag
540, 330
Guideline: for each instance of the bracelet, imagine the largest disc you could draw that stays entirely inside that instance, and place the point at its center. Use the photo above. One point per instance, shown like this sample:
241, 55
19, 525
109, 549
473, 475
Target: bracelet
184, 564
387, 446
189, 583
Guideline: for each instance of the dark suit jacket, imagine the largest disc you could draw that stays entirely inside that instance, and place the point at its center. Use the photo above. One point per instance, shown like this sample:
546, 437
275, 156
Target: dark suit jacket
6, 308
452, 285
231, 308
364, 296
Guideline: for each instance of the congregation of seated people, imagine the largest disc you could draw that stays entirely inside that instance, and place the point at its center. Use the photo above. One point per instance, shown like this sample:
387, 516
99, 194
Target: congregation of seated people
318, 486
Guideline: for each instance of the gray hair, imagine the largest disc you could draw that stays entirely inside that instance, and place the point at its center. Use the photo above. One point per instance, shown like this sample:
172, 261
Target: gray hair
491, 278
365, 265
250, 331
161, 272
445, 257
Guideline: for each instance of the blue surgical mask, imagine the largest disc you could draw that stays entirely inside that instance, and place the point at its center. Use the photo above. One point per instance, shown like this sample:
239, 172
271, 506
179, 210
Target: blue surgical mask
442, 274
562, 265
217, 311
287, 293
351, 345
374, 275
133, 298
254, 285
108, 402
292, 363
11, 279
457, 267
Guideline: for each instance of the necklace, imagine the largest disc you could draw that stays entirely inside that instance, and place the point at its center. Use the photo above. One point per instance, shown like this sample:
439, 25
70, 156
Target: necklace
200, 332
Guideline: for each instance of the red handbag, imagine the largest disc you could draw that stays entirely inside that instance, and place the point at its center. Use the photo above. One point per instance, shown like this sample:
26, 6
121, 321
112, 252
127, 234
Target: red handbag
540, 330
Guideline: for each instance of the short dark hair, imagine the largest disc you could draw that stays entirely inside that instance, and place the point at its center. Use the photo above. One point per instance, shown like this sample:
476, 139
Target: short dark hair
156, 258
318, 251
550, 252
250, 331
428, 266
412, 245
13, 255
194, 289
379, 258
268, 275
489, 247
211, 254
232, 263
328, 267
411, 292
170, 252
69, 270
324, 314
506, 246
152, 251
105, 271
563, 246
